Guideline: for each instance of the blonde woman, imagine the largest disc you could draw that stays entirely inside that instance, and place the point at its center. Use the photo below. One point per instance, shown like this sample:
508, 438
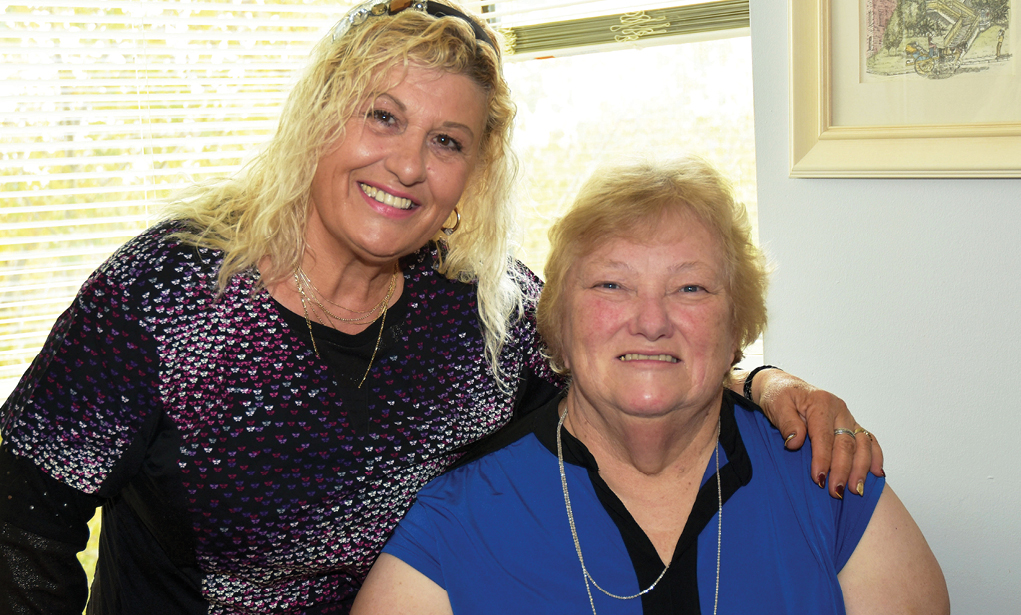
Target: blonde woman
255, 390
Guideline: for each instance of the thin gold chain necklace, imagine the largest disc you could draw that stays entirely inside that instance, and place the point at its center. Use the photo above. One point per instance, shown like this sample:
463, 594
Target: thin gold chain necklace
589, 581
301, 280
382, 321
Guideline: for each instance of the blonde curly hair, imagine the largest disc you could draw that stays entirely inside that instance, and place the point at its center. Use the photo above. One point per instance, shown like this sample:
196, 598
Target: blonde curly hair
262, 211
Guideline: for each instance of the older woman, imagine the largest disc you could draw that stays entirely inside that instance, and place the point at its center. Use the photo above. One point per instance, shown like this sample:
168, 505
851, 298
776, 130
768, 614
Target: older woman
649, 487
255, 389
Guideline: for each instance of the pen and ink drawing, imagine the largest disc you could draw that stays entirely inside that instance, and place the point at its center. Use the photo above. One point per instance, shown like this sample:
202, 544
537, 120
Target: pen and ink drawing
935, 39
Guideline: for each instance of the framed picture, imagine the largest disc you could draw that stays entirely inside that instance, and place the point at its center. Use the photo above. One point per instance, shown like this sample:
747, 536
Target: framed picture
904, 88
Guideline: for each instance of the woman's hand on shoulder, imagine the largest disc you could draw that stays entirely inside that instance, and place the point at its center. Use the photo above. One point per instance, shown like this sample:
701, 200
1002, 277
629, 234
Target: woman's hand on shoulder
799, 409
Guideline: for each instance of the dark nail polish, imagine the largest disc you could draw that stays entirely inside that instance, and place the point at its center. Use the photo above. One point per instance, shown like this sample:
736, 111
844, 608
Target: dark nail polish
840, 491
821, 480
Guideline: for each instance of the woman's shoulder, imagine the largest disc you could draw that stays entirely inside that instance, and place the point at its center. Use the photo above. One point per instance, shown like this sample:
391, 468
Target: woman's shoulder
422, 273
771, 459
765, 446
530, 286
431, 292
423, 279
524, 341
158, 257
495, 476
165, 243
425, 264
783, 478
528, 280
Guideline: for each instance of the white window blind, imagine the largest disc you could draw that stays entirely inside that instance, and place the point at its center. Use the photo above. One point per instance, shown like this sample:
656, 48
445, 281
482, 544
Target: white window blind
536, 28
517, 13
108, 106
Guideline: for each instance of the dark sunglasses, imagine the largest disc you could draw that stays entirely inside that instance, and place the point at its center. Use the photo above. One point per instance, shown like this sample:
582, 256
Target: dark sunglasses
377, 8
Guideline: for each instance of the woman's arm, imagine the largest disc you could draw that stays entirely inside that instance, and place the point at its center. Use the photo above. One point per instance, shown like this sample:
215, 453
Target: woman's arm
43, 525
892, 570
799, 409
39, 575
395, 588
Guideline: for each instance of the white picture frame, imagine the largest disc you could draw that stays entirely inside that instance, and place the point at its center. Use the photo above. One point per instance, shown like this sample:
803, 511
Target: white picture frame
821, 148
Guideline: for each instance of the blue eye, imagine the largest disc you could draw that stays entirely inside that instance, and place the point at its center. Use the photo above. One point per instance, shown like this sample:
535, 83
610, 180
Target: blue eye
609, 285
690, 288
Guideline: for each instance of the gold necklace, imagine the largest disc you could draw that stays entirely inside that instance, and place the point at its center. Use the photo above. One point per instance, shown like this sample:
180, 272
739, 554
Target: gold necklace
382, 321
589, 581
301, 279
307, 280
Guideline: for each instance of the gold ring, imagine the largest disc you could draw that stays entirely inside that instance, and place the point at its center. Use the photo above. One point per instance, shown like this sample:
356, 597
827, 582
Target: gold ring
864, 431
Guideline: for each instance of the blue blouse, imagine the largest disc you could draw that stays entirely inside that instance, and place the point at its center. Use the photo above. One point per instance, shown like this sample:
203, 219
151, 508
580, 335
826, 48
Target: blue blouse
494, 533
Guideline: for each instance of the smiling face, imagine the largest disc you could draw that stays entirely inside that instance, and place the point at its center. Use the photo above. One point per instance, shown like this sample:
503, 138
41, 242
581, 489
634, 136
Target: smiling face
647, 327
402, 166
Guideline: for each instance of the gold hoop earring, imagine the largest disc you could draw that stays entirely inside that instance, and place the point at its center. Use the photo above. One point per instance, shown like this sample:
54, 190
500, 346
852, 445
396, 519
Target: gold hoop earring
450, 231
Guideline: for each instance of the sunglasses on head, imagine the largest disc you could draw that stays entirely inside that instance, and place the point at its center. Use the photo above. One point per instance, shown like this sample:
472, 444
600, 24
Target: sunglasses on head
378, 8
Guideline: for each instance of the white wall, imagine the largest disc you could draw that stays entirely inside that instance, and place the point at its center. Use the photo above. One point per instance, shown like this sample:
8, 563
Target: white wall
903, 297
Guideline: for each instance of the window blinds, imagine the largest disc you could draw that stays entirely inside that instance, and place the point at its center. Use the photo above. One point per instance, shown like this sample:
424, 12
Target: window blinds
535, 28
107, 107
520, 13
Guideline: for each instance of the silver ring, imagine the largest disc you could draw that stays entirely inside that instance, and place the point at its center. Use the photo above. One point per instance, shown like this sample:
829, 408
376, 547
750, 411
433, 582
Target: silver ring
841, 431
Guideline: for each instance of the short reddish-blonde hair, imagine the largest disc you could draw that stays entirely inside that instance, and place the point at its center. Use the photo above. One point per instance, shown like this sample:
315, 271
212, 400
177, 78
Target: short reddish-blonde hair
626, 200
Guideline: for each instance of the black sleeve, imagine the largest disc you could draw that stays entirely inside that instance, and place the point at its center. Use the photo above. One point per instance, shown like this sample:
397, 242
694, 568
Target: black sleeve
39, 575
43, 525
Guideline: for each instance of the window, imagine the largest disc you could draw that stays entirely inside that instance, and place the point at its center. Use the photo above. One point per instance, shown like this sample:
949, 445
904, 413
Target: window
683, 87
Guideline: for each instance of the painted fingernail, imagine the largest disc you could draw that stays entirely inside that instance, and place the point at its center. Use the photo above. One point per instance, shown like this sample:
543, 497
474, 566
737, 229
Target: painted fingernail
882, 472
861, 487
821, 480
788, 439
840, 491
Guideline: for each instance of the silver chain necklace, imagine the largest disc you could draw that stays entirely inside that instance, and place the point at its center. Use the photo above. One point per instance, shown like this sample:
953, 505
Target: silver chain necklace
589, 581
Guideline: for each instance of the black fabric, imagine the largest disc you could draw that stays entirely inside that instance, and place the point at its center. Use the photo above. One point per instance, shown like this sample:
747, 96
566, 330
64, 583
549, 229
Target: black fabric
135, 572
39, 575
534, 392
349, 354
35, 502
43, 525
519, 427
151, 494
